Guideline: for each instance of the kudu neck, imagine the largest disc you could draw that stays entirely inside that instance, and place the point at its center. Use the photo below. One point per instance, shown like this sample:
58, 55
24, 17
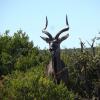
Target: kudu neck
56, 62
55, 56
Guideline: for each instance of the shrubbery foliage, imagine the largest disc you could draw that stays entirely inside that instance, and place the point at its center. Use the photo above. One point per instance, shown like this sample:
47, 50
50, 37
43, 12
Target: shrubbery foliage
22, 71
32, 85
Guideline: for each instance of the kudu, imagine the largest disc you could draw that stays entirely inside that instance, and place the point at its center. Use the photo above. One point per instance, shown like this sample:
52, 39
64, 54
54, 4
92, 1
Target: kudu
56, 68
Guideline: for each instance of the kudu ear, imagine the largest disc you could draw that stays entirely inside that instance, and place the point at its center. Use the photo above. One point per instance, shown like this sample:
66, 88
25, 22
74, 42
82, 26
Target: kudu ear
45, 39
63, 38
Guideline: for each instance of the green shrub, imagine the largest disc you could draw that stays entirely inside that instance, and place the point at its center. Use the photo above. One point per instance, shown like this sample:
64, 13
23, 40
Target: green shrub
33, 85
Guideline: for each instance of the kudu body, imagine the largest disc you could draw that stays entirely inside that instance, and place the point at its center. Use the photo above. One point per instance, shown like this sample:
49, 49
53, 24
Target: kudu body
56, 67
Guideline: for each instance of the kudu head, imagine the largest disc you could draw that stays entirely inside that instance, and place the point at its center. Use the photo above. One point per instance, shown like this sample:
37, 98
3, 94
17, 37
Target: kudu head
54, 42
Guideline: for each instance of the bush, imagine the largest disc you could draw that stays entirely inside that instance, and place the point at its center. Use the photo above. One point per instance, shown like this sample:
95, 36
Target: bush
17, 52
33, 85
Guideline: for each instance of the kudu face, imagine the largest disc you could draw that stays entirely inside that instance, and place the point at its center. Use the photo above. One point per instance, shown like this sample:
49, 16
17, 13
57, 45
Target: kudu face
54, 47
54, 42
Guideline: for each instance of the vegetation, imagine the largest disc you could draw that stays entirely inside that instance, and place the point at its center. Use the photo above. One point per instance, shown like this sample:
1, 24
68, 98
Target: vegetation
22, 74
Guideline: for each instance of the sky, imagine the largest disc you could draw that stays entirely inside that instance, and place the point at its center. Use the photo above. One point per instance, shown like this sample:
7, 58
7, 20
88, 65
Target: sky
29, 15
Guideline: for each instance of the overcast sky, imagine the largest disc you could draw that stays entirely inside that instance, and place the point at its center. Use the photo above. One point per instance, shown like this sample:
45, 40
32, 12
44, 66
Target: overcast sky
29, 15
